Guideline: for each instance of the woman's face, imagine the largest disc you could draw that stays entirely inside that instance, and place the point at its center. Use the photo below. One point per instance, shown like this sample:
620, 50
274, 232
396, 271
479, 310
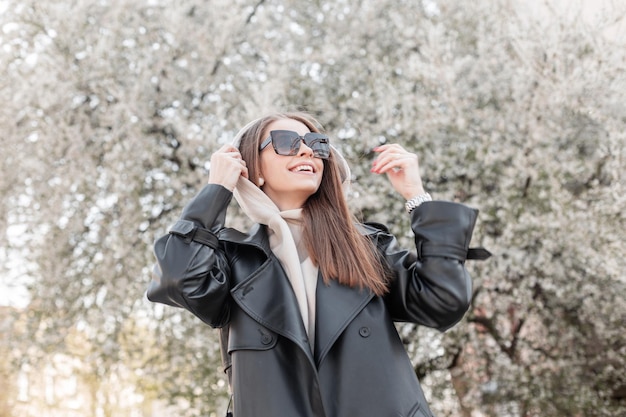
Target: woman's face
290, 180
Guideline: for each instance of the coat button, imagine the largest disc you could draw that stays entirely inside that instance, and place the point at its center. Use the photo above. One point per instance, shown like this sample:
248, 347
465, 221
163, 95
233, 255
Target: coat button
266, 339
364, 331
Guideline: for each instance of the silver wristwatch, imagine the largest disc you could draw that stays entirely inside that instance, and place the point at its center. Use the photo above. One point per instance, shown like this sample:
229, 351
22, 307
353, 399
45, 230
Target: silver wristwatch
416, 201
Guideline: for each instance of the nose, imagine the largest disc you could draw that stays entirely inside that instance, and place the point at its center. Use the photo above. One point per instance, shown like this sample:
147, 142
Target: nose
304, 149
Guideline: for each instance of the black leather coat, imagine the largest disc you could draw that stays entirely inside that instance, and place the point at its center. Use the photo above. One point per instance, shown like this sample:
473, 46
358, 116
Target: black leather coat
358, 368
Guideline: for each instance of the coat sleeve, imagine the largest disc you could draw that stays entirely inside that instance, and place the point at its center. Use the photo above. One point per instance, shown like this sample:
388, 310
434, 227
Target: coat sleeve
191, 270
430, 286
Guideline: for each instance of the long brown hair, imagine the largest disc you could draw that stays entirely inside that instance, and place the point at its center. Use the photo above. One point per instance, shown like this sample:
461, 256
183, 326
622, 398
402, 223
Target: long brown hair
337, 247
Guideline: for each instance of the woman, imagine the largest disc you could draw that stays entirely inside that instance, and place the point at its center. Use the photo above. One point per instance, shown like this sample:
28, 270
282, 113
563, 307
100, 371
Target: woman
306, 300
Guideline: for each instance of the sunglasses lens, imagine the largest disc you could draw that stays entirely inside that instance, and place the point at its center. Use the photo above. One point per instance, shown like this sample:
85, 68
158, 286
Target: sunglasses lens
287, 143
319, 144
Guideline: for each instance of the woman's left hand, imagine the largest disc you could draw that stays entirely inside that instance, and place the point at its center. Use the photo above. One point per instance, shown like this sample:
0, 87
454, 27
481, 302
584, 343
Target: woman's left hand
401, 167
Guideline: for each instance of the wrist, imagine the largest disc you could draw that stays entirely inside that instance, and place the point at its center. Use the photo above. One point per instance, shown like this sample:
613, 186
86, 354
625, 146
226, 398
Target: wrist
413, 190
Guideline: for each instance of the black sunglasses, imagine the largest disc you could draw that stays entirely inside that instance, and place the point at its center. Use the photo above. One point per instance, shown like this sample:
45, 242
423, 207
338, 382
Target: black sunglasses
287, 143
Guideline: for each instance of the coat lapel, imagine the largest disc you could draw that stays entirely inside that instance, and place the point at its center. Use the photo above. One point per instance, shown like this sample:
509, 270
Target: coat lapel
265, 294
336, 306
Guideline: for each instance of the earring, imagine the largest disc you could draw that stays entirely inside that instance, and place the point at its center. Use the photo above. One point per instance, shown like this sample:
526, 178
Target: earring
261, 182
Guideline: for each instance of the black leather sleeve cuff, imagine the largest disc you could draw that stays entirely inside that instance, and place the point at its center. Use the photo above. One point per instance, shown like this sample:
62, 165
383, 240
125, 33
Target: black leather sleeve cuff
191, 232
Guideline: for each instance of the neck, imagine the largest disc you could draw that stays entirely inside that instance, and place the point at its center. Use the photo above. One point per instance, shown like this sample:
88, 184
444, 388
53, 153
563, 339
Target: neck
287, 201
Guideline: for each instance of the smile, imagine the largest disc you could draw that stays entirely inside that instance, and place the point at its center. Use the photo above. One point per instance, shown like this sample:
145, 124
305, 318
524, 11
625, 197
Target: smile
303, 168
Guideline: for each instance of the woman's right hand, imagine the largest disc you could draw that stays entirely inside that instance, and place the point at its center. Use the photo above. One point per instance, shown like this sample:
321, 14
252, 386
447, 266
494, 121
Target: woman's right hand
226, 167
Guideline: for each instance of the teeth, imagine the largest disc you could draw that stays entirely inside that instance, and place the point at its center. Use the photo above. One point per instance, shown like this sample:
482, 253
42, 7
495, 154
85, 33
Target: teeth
303, 168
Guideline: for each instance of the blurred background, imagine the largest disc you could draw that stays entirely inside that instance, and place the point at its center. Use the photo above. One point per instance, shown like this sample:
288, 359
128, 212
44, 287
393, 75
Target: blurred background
111, 110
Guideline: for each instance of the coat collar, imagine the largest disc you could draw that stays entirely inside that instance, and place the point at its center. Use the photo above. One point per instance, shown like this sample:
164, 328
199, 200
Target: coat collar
257, 236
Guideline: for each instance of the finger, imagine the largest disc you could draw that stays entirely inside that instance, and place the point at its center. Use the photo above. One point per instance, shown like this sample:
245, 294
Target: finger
227, 154
233, 154
228, 149
391, 156
390, 149
392, 161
